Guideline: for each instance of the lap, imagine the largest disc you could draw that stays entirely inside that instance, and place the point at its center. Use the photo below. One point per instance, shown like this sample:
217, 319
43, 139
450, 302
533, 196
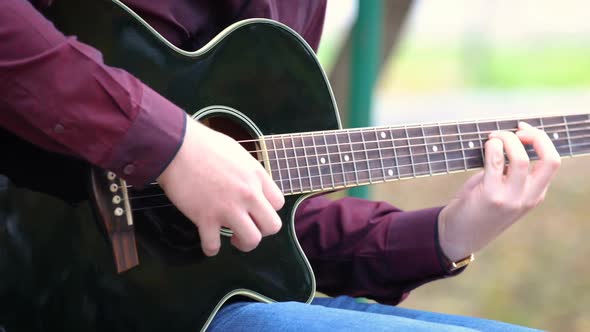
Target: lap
344, 314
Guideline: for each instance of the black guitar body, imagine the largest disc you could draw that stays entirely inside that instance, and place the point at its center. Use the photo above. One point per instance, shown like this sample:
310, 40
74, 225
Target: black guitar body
56, 264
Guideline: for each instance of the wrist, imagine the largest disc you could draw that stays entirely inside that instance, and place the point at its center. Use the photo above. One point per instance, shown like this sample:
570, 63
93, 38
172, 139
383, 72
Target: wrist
453, 251
168, 172
150, 142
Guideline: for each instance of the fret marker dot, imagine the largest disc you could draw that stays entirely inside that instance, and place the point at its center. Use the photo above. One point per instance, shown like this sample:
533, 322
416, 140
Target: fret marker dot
346, 157
555, 135
390, 172
323, 160
434, 148
383, 134
471, 145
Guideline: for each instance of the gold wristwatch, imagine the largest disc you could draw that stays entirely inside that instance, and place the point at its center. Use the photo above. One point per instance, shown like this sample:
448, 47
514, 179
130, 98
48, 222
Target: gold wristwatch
452, 266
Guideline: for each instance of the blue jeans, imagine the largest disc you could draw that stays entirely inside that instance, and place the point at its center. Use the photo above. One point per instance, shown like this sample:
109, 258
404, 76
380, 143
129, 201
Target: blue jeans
344, 314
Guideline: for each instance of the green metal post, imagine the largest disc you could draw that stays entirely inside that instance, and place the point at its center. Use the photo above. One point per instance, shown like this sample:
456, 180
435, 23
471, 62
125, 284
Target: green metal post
365, 55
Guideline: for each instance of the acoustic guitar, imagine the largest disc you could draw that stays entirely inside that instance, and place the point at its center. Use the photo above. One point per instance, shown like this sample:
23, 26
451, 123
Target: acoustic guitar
81, 250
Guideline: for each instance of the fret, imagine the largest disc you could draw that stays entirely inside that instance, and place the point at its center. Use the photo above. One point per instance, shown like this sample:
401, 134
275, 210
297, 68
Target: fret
361, 157
305, 177
567, 132
542, 125
461, 145
402, 153
348, 164
452, 146
322, 159
278, 168
419, 151
481, 142
405, 154
427, 149
294, 142
340, 163
444, 148
356, 174
329, 160
309, 162
436, 151
579, 129
378, 140
395, 161
471, 144
555, 129
409, 145
374, 155
367, 159
287, 162
315, 149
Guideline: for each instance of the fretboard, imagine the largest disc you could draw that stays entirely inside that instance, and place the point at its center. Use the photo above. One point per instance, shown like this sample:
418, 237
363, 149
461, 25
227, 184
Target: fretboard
327, 160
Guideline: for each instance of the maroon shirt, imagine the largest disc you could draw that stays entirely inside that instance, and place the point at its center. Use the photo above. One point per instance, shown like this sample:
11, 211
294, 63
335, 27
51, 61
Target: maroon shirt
58, 94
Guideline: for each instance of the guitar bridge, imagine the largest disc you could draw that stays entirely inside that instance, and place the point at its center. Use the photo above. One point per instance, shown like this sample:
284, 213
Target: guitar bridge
111, 200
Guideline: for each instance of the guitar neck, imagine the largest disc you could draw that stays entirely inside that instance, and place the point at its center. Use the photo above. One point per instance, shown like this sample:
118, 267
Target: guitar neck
335, 159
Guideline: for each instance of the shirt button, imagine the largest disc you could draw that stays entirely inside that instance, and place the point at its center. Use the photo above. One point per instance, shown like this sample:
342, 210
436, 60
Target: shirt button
129, 169
59, 128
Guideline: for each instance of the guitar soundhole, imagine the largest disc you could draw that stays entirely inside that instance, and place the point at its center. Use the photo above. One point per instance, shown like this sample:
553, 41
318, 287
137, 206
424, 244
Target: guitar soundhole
161, 229
235, 130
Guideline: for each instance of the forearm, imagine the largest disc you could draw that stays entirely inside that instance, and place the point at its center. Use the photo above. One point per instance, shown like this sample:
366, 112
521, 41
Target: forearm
373, 249
58, 94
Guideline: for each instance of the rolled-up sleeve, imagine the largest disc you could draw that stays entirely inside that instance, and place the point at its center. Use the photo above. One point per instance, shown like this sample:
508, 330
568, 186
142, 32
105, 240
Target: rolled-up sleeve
57, 93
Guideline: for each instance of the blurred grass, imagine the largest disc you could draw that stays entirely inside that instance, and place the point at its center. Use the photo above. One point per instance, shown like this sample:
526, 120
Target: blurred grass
534, 274
552, 66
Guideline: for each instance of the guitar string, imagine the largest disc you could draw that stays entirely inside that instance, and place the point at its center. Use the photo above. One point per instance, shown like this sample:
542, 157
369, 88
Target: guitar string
398, 156
304, 190
316, 134
340, 184
423, 137
392, 157
380, 149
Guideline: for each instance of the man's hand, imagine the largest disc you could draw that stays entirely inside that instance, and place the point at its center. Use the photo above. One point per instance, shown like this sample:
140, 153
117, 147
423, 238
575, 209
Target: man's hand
215, 182
494, 199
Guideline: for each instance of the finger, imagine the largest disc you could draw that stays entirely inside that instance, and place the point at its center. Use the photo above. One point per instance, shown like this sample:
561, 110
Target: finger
494, 164
549, 160
210, 239
246, 235
471, 183
266, 218
272, 192
518, 161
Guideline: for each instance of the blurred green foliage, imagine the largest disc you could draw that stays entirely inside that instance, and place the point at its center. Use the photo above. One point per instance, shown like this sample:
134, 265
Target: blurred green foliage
427, 67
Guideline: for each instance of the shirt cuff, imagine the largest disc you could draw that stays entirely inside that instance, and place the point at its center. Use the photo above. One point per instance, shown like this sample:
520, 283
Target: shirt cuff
413, 238
151, 142
441, 256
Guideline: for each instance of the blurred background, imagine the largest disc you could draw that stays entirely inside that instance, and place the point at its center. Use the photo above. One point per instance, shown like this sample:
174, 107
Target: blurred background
467, 59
